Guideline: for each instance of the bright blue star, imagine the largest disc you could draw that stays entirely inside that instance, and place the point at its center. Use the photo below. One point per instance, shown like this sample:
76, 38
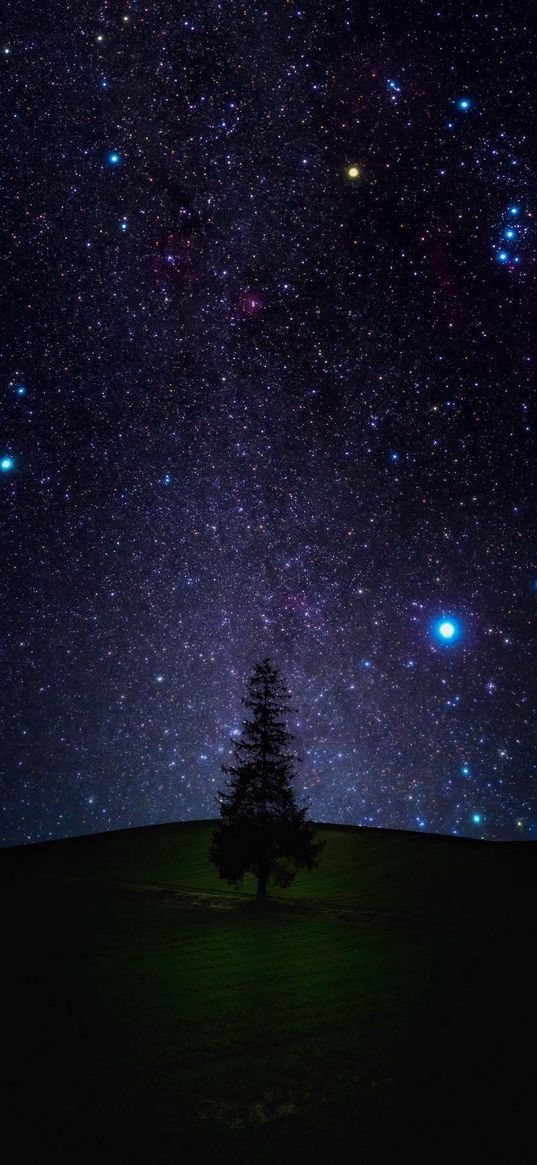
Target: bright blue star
21, 390
167, 479
7, 463
464, 104
465, 770
476, 818
509, 233
124, 224
367, 663
514, 210
114, 159
394, 456
502, 256
446, 629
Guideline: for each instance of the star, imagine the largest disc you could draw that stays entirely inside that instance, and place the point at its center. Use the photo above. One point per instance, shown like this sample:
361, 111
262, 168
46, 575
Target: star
7, 464
114, 158
446, 629
353, 172
464, 104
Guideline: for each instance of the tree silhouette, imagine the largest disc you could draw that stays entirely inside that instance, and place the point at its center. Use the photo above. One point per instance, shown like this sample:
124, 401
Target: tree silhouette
262, 829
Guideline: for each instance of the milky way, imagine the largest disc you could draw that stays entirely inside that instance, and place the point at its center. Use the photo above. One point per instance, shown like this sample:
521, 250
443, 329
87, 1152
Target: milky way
269, 307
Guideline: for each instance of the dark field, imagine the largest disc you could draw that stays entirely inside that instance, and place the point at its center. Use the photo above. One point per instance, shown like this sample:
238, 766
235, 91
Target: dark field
383, 1003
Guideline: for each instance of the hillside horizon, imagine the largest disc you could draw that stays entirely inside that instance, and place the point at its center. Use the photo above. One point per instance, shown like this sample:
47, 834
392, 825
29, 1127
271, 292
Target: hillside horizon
496, 840
395, 870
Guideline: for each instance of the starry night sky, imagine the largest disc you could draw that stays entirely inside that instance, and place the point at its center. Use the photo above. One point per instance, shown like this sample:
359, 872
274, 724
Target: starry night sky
269, 331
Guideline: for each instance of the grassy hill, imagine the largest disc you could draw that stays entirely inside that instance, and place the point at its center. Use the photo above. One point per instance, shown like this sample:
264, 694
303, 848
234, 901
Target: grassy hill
154, 1014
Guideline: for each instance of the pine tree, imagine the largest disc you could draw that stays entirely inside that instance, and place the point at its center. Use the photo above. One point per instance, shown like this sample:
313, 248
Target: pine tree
263, 829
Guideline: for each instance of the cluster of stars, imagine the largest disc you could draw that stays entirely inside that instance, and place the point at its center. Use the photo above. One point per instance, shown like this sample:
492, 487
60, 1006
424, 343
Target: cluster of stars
512, 233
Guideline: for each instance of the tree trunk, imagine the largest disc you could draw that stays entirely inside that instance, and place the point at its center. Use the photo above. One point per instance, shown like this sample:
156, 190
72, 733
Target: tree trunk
262, 880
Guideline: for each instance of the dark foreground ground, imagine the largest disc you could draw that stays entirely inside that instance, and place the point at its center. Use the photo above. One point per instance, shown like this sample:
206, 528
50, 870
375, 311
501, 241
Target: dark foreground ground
384, 1005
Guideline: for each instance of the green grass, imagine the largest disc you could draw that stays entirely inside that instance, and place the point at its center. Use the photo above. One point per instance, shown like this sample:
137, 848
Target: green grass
149, 1028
